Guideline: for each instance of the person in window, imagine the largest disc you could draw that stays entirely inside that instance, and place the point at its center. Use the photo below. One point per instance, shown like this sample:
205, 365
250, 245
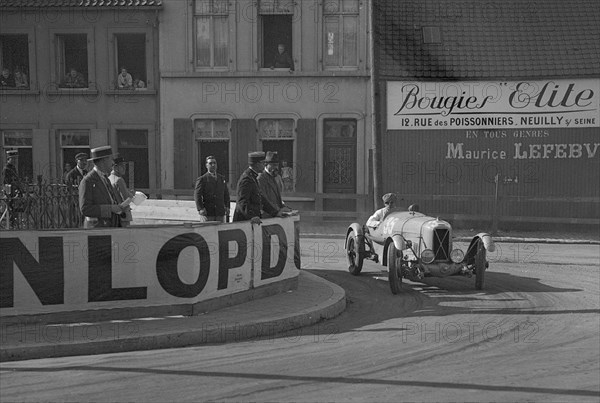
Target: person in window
120, 188
389, 200
270, 188
9, 172
139, 83
211, 193
6, 79
282, 59
21, 79
287, 176
76, 174
124, 81
74, 79
66, 171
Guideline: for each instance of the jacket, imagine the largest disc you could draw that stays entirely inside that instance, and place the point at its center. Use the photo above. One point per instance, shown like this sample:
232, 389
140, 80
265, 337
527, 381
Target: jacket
95, 202
212, 194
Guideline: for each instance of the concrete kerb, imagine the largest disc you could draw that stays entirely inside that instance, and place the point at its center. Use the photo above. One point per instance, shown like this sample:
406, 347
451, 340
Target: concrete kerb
196, 331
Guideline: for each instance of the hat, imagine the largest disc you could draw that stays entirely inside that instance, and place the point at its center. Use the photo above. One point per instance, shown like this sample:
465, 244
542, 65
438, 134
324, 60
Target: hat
389, 198
12, 153
271, 158
119, 160
256, 156
81, 156
100, 152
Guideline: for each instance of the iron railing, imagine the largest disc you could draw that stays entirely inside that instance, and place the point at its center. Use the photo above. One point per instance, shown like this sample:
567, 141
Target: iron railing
40, 206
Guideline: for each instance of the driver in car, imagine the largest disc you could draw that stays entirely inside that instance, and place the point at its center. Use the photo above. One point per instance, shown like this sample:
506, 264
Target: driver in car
389, 200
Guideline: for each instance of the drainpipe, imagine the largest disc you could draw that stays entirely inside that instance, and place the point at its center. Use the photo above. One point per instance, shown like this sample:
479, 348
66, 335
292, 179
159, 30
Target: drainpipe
375, 125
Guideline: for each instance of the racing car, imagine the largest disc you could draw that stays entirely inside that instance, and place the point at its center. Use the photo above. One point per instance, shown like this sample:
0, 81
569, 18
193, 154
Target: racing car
413, 245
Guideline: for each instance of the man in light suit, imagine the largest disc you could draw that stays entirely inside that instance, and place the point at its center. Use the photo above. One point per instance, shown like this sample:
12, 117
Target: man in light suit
97, 200
211, 193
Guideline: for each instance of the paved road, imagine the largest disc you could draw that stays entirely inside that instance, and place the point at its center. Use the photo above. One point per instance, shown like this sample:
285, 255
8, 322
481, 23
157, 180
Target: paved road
531, 335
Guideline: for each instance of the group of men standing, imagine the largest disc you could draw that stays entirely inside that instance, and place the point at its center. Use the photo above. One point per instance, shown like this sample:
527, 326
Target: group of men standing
258, 191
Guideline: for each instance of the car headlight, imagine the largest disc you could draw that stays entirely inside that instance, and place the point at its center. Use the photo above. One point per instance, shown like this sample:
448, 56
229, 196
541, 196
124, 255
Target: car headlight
457, 255
427, 256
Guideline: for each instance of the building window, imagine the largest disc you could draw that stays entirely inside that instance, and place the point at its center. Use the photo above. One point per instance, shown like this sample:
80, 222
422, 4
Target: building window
14, 57
212, 138
339, 155
132, 145
212, 33
131, 56
276, 29
278, 135
341, 33
73, 142
72, 60
20, 140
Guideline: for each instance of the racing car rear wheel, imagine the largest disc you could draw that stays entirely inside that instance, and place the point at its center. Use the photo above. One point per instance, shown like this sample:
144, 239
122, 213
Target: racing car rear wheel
355, 258
480, 266
394, 263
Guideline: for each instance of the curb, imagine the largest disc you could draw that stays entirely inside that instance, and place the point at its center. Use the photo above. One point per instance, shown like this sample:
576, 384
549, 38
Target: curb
196, 335
497, 239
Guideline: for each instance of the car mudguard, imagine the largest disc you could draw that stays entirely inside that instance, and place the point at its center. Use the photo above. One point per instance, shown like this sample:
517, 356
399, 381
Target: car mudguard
486, 239
360, 236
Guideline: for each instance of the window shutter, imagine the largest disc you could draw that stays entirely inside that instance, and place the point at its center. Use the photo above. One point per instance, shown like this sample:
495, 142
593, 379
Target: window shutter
182, 133
306, 164
243, 140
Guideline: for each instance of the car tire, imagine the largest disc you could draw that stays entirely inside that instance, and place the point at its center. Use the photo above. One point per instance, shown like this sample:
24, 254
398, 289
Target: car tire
355, 258
394, 269
480, 266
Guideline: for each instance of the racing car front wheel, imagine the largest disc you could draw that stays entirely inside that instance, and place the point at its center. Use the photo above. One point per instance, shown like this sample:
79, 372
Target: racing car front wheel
394, 269
355, 258
480, 266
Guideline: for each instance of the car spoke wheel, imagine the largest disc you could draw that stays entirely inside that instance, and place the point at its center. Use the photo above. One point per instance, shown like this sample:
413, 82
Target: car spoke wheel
355, 258
394, 263
480, 266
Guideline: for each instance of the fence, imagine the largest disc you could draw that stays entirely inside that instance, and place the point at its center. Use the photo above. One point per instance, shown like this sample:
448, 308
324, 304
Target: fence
40, 206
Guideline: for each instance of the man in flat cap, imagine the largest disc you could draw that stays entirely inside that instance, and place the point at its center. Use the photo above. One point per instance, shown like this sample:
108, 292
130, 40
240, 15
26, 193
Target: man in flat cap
211, 193
75, 175
249, 198
97, 200
389, 201
10, 175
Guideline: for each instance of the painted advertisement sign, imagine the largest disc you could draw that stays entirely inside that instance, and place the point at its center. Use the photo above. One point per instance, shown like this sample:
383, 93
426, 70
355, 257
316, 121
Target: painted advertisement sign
493, 105
55, 271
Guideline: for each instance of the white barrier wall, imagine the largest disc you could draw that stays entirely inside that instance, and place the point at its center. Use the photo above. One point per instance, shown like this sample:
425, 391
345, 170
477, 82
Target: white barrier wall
69, 270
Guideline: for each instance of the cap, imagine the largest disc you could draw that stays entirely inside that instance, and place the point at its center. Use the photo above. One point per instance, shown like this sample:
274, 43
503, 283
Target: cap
389, 198
256, 156
271, 158
119, 160
100, 152
81, 156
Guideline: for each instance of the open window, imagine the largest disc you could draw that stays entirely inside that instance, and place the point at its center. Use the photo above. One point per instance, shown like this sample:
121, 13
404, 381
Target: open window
14, 57
278, 135
276, 34
20, 140
72, 60
131, 56
213, 138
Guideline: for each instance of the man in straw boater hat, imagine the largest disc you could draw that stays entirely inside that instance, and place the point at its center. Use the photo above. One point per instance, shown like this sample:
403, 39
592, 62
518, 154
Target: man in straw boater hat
97, 199
75, 175
249, 199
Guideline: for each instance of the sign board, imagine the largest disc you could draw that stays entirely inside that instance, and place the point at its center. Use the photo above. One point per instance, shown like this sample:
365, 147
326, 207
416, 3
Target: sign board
493, 105
56, 271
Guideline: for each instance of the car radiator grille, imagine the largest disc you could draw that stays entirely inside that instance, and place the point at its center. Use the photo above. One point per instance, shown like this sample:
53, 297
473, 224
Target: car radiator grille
441, 244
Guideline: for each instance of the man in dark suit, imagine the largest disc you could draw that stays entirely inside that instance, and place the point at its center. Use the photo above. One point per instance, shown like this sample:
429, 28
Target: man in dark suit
270, 188
75, 175
249, 198
211, 193
97, 200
